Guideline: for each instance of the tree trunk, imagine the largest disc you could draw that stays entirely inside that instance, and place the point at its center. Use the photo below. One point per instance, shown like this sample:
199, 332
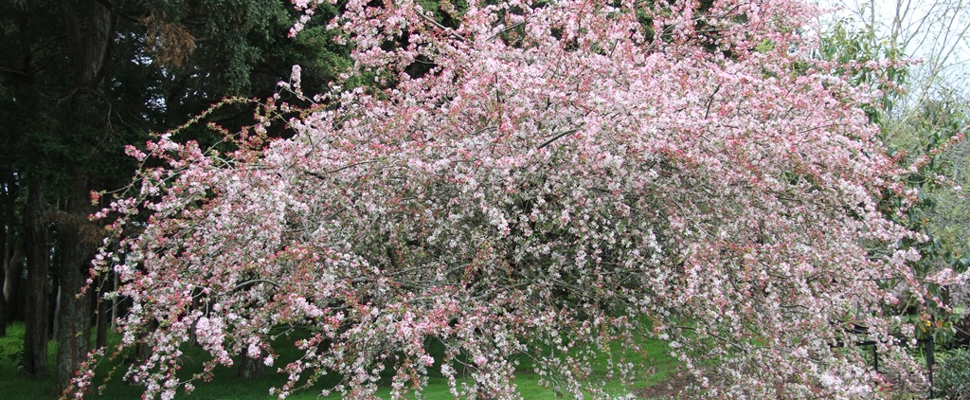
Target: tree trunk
77, 239
250, 368
104, 311
73, 318
143, 350
38, 257
14, 289
55, 301
6, 257
88, 37
9, 254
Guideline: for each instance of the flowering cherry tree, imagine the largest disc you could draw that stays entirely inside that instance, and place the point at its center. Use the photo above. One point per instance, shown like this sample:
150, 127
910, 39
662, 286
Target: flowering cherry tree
566, 175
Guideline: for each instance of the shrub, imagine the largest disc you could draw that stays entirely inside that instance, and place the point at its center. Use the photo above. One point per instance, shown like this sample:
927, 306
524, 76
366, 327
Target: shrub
952, 378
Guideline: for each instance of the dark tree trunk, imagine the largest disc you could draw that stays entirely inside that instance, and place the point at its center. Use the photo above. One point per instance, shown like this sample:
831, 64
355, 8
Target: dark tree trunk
104, 311
6, 258
143, 350
38, 257
73, 318
10, 282
88, 37
14, 289
54, 301
9, 248
77, 238
250, 368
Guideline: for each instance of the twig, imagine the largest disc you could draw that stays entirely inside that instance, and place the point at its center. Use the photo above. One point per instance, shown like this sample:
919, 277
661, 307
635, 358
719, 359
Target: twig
255, 281
506, 29
334, 171
557, 137
710, 100
442, 27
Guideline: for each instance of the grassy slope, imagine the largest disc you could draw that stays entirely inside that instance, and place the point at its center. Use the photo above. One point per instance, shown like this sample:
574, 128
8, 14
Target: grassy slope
226, 385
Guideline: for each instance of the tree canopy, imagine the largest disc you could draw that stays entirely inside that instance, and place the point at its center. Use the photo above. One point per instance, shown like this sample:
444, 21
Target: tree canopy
559, 176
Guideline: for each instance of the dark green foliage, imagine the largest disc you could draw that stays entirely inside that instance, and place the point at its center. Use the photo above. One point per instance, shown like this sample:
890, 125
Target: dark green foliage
79, 80
236, 48
927, 135
952, 377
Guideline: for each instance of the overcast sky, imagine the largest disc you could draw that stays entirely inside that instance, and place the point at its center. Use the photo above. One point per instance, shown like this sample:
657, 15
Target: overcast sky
936, 31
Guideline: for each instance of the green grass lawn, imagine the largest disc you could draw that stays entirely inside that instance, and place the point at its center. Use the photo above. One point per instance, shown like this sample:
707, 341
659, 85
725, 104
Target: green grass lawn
226, 385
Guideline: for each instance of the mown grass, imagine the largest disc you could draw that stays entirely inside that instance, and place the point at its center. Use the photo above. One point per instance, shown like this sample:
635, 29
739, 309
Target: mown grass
227, 385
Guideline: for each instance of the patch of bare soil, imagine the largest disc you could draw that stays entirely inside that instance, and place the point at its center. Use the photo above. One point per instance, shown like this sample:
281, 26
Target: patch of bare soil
668, 389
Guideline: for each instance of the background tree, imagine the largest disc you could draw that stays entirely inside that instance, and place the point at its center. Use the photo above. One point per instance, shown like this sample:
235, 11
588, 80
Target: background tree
923, 120
79, 80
